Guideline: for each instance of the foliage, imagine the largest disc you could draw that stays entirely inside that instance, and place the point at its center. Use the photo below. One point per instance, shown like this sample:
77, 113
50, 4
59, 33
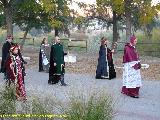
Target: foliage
152, 44
98, 106
79, 20
94, 106
30, 15
7, 100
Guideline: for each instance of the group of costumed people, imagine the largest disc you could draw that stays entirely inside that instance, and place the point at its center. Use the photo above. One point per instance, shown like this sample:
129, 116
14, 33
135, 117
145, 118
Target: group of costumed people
12, 65
51, 60
131, 71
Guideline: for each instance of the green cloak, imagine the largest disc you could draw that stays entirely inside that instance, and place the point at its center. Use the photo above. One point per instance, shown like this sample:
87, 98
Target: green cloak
57, 54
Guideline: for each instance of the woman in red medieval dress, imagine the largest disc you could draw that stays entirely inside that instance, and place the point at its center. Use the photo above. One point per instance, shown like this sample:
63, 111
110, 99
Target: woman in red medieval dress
14, 72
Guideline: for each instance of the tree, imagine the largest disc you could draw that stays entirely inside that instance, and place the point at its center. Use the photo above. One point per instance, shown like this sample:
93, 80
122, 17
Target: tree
116, 7
7, 11
59, 13
137, 13
29, 14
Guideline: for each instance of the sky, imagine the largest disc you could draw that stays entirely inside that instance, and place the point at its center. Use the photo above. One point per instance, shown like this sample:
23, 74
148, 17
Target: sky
155, 1
94, 1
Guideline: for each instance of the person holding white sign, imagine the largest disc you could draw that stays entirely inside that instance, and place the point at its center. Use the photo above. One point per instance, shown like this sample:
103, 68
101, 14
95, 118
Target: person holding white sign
131, 71
44, 56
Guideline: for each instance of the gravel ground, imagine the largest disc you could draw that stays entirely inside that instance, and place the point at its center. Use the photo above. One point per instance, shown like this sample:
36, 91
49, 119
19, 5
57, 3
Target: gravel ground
147, 107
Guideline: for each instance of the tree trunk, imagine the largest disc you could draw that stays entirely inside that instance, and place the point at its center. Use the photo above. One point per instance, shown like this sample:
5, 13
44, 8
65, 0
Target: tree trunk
128, 19
24, 39
9, 17
56, 32
115, 33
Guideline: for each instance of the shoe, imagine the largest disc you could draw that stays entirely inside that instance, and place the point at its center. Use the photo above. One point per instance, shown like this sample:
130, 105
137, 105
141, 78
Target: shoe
98, 77
105, 77
64, 84
134, 96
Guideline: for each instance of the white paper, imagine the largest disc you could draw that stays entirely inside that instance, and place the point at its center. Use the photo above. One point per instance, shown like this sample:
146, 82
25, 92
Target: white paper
45, 61
144, 65
70, 58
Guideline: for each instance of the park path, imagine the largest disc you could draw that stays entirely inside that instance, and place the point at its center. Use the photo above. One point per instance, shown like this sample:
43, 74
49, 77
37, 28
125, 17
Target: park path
147, 107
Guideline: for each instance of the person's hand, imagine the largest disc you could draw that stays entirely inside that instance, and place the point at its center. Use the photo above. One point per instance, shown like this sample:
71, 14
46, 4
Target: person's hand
12, 65
25, 62
112, 50
55, 64
137, 66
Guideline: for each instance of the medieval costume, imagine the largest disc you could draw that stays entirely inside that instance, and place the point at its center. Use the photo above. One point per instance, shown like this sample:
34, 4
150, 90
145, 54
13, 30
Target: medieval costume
44, 57
14, 72
57, 64
131, 72
105, 67
5, 51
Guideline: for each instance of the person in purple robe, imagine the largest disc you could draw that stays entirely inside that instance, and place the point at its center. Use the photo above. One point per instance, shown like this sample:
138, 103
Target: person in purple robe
105, 67
131, 71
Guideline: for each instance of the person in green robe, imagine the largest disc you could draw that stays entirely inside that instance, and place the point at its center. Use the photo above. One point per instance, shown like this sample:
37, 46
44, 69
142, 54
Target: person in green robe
57, 64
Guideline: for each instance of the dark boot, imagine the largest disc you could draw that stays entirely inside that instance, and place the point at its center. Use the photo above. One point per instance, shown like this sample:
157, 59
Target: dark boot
62, 81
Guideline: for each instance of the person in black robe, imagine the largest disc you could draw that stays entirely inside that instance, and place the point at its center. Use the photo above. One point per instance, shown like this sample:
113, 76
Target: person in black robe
40, 59
105, 67
5, 51
57, 64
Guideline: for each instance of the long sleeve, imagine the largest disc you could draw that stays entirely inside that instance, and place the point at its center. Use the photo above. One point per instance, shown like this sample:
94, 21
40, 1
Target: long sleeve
5, 51
52, 56
10, 69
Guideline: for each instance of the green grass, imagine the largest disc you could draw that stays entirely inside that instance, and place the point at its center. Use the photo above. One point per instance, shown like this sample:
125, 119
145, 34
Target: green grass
98, 106
7, 100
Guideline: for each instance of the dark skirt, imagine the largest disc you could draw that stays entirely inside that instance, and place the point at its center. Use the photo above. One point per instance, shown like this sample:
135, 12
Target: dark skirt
105, 67
102, 71
40, 62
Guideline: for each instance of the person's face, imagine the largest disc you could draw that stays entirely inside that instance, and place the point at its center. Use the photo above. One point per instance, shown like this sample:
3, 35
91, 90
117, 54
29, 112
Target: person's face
15, 51
9, 39
57, 39
135, 42
46, 41
106, 42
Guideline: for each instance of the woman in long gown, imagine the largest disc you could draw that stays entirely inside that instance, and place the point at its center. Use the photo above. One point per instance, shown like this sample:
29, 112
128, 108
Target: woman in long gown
15, 73
44, 56
105, 67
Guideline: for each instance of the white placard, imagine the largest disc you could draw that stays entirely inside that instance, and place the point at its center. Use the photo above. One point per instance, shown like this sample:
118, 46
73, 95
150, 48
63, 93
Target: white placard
45, 61
144, 66
70, 58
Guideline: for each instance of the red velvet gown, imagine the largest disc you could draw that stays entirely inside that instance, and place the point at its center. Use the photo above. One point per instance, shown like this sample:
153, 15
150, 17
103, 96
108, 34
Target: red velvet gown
15, 75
